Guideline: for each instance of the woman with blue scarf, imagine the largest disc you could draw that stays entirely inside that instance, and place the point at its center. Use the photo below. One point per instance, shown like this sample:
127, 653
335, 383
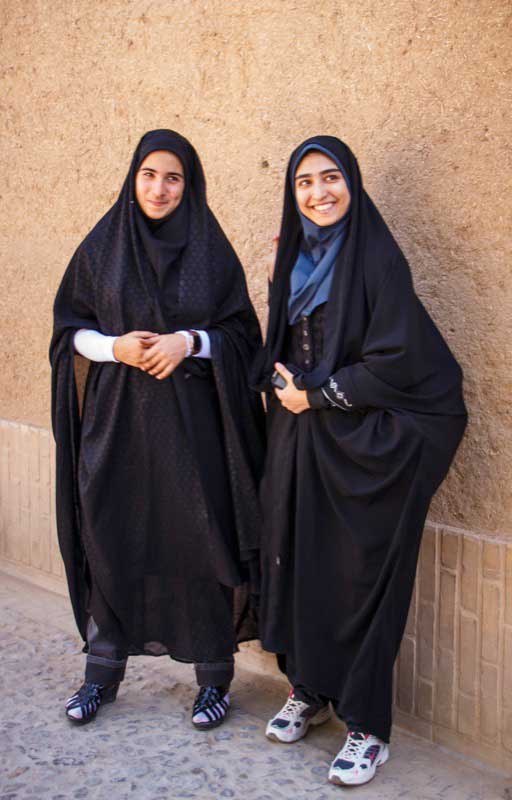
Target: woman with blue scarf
365, 414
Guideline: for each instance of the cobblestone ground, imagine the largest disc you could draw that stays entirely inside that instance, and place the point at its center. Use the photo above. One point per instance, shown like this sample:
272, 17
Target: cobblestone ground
143, 746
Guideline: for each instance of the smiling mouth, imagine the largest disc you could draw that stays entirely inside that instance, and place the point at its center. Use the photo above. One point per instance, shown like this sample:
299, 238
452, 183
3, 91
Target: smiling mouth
158, 202
323, 207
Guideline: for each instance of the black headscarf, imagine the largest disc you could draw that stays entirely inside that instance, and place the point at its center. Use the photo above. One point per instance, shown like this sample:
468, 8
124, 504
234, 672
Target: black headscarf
129, 274
164, 239
312, 274
317, 238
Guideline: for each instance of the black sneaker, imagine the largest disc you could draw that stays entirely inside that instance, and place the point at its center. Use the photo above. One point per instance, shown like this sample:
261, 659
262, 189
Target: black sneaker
83, 706
210, 707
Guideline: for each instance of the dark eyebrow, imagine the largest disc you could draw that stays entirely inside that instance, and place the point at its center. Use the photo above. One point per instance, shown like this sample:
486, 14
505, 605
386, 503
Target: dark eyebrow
150, 169
323, 172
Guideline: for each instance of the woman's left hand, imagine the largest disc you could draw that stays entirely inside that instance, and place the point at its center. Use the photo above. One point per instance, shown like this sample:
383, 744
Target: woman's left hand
165, 352
293, 399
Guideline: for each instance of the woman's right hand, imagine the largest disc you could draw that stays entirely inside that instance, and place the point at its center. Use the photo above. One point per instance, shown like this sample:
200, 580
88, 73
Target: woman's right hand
131, 348
271, 260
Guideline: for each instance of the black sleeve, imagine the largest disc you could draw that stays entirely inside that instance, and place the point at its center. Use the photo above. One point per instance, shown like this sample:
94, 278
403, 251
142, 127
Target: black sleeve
335, 394
317, 399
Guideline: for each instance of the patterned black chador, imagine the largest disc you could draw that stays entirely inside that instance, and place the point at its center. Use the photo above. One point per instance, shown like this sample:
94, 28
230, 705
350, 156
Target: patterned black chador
157, 478
359, 439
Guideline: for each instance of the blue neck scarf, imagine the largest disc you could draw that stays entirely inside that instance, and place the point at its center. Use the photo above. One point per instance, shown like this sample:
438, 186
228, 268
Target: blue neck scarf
312, 274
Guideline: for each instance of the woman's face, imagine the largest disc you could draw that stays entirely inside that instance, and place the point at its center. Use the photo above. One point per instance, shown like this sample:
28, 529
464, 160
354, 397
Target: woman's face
320, 189
159, 184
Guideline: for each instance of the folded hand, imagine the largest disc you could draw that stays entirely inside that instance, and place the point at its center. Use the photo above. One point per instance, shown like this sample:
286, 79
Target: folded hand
163, 354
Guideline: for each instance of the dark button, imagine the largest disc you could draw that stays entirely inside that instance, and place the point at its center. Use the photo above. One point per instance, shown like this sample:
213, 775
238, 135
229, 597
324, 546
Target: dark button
305, 346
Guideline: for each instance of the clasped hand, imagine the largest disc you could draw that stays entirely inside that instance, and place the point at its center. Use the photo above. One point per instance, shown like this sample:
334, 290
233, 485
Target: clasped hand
154, 353
293, 399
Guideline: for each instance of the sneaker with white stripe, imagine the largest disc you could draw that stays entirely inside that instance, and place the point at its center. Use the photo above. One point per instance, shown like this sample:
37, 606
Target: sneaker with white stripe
291, 723
83, 706
210, 707
358, 759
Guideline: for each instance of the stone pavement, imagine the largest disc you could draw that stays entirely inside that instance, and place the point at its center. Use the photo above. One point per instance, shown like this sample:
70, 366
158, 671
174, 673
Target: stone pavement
143, 746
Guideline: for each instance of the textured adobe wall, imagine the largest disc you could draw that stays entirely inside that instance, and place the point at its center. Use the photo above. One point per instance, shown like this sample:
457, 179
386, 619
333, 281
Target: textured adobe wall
417, 89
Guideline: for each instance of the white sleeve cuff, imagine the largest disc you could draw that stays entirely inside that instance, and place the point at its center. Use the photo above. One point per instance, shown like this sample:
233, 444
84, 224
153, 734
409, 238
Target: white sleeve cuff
206, 350
94, 345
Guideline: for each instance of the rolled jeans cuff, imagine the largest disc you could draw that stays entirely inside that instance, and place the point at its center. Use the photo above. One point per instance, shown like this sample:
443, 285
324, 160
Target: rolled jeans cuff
105, 671
218, 673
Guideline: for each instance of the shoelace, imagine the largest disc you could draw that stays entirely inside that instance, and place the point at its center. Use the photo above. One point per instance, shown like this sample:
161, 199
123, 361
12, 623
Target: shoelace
291, 708
355, 744
208, 695
89, 691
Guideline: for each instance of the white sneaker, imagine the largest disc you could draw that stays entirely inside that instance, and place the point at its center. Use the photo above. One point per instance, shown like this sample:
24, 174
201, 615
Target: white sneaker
294, 719
358, 759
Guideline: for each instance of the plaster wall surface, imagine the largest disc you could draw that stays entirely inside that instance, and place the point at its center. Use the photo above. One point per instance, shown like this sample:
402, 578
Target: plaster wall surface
419, 90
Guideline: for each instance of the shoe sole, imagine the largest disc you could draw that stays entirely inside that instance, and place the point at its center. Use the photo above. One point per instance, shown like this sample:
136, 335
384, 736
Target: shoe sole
273, 737
108, 698
336, 781
207, 726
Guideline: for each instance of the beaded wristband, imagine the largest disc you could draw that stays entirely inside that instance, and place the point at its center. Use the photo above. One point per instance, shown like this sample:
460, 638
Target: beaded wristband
189, 339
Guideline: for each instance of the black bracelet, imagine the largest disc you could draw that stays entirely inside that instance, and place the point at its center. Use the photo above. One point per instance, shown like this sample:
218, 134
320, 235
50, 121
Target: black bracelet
196, 347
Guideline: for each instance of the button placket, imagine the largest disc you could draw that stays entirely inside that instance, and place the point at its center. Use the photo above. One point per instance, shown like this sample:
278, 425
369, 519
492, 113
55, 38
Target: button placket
305, 346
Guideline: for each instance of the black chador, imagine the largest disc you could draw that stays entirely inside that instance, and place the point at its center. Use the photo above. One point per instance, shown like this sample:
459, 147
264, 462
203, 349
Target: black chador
348, 483
157, 481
